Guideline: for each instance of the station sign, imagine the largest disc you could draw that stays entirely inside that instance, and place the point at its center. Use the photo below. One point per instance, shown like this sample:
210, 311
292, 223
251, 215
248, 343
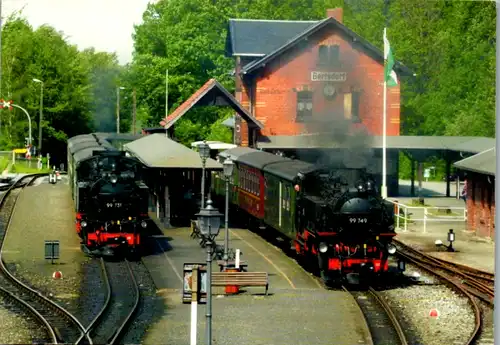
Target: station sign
328, 76
187, 286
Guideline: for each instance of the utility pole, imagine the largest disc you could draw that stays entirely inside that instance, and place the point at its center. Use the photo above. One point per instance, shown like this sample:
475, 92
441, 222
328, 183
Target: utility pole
166, 101
134, 110
117, 110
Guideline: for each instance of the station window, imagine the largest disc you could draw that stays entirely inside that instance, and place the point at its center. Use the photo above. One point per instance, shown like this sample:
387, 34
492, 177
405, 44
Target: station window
304, 105
351, 106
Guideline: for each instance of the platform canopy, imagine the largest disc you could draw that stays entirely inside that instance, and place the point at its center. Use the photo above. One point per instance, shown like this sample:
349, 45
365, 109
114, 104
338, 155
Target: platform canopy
483, 163
215, 145
401, 142
158, 151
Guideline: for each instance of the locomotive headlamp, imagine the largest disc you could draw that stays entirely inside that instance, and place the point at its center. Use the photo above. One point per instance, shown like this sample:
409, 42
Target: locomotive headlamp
113, 178
323, 247
369, 186
361, 187
83, 224
144, 224
391, 249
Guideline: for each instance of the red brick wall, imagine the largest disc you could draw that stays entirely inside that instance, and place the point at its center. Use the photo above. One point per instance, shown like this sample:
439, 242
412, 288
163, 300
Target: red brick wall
242, 95
481, 205
275, 100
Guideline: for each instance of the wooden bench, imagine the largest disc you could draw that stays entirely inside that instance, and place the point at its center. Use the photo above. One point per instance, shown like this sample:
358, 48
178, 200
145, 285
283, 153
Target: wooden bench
240, 279
231, 264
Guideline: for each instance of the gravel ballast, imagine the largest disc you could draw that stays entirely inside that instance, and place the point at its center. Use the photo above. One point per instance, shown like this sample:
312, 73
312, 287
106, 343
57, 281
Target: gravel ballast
17, 328
413, 304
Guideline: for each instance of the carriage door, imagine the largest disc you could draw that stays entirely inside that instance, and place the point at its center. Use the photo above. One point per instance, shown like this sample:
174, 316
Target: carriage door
280, 204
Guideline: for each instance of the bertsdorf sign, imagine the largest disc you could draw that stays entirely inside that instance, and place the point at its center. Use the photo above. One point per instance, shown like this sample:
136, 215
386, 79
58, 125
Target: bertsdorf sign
328, 76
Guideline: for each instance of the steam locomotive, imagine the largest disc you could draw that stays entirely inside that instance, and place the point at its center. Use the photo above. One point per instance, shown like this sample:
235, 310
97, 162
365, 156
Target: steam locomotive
110, 197
334, 218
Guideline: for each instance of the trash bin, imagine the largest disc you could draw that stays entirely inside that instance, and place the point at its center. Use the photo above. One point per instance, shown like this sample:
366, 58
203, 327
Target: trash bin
232, 289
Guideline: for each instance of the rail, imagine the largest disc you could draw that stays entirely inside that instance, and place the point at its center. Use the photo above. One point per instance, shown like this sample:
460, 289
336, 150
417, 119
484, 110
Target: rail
406, 214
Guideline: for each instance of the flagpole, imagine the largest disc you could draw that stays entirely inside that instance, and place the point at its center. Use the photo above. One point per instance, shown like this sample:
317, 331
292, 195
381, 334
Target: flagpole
384, 135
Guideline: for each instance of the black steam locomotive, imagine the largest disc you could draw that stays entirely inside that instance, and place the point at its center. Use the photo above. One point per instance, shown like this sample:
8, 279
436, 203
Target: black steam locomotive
110, 198
335, 218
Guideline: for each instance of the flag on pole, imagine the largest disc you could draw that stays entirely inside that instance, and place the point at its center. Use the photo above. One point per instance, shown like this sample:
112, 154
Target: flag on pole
390, 76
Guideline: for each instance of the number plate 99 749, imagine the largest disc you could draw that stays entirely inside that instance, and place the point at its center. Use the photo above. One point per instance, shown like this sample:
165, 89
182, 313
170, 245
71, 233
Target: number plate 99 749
358, 220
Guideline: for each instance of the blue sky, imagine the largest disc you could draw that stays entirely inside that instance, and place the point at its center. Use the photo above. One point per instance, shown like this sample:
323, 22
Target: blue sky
106, 25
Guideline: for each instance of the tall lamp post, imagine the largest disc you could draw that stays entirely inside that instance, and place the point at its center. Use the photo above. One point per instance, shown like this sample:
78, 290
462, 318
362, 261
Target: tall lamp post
118, 108
204, 154
41, 116
228, 172
209, 220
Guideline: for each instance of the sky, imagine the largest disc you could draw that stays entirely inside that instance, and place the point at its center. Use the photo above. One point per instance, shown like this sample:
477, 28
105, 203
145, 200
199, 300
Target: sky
106, 25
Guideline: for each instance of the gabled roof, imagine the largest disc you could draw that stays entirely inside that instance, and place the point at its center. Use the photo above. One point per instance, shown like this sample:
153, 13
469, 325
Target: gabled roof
212, 93
357, 40
483, 163
158, 151
256, 38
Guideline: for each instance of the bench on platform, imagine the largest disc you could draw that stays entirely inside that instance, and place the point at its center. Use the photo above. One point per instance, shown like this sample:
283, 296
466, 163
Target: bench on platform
241, 279
232, 264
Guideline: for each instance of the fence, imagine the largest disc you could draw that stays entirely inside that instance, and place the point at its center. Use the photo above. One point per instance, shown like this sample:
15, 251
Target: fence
408, 214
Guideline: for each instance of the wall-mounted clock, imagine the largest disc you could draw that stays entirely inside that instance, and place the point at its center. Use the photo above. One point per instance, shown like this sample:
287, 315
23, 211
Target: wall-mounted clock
329, 91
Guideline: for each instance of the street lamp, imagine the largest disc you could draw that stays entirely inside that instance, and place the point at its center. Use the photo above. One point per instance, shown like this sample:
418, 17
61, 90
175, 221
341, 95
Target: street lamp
41, 116
228, 172
118, 108
209, 220
204, 150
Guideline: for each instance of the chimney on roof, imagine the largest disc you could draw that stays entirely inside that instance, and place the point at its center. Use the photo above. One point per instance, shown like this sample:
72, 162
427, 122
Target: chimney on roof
335, 13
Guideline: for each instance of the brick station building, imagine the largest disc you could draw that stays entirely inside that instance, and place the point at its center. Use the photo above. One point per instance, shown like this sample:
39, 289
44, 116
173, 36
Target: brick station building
481, 171
292, 73
295, 78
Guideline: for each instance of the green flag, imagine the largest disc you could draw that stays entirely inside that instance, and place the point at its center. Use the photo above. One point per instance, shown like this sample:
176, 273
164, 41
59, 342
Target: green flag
390, 76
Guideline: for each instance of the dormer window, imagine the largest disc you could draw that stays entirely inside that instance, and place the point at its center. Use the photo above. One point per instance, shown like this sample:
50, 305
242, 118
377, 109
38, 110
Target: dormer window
304, 105
329, 56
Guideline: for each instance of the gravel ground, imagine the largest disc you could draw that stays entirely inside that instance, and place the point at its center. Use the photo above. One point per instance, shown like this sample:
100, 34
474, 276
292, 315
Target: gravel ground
16, 328
45, 212
412, 305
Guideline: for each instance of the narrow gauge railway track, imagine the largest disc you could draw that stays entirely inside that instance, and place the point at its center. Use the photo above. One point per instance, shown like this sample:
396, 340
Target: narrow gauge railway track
462, 282
385, 328
59, 324
122, 302
476, 282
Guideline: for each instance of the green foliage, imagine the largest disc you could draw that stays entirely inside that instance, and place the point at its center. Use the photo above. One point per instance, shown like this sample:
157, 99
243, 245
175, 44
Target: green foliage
78, 87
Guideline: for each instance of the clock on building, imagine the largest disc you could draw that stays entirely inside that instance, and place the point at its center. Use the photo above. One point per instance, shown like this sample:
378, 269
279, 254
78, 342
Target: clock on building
329, 91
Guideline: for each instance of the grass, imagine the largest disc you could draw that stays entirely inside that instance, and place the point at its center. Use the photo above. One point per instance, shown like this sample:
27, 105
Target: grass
25, 168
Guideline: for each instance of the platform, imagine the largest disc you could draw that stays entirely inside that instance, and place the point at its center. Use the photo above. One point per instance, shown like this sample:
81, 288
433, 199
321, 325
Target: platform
470, 250
250, 317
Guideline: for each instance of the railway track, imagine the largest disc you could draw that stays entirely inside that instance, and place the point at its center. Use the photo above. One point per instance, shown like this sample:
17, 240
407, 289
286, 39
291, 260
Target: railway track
122, 302
475, 284
384, 327
59, 324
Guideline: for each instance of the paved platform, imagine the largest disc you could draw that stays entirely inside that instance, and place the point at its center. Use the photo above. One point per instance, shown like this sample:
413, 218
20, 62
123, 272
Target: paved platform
471, 250
295, 298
